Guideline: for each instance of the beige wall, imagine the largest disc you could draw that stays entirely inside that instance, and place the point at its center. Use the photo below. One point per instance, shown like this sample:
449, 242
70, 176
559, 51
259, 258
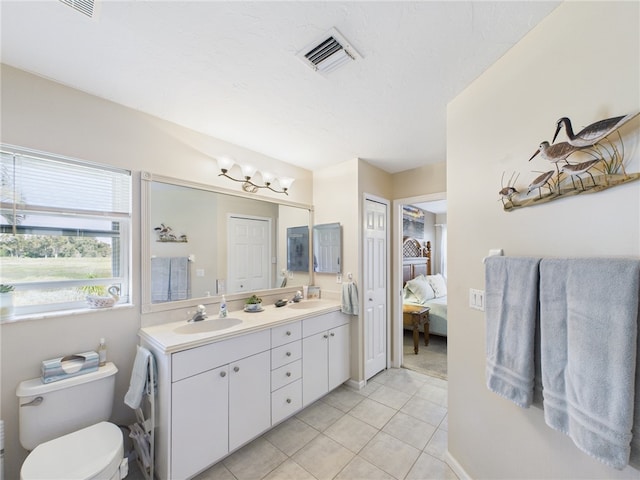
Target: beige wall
43, 115
430, 178
581, 62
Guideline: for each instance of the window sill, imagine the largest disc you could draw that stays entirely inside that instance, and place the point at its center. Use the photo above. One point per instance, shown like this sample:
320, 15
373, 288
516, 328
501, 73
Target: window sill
61, 313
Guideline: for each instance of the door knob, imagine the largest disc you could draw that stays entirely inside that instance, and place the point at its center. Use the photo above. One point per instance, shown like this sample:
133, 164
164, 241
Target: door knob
223, 374
288, 354
236, 369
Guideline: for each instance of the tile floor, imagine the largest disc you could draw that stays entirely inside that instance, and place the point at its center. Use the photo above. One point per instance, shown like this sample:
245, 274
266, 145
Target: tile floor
394, 428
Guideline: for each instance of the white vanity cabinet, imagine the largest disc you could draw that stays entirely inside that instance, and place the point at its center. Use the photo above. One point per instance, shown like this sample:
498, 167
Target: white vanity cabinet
325, 355
215, 397
217, 408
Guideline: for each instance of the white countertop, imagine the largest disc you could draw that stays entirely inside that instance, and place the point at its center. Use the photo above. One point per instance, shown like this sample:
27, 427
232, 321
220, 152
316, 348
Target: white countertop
168, 339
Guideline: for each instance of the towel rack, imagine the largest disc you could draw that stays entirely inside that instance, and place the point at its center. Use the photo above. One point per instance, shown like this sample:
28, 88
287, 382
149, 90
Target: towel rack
146, 426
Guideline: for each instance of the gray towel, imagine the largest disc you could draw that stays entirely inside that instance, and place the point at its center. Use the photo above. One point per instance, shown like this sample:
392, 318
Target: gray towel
179, 278
350, 304
511, 312
160, 274
588, 324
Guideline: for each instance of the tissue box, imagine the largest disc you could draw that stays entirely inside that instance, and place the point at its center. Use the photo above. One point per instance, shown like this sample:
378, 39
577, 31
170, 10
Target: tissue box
69, 366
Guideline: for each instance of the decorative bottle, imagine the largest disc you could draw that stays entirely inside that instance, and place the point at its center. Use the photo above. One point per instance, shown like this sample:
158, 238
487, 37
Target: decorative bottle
102, 353
223, 308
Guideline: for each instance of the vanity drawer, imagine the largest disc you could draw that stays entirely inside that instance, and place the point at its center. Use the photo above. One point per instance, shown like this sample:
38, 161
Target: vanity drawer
285, 334
286, 354
286, 374
200, 359
322, 323
286, 401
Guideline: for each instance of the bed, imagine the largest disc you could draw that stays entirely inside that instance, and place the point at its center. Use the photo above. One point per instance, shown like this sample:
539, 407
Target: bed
421, 287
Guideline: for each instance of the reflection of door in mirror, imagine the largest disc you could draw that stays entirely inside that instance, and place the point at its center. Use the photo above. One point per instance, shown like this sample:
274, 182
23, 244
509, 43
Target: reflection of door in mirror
248, 250
298, 249
327, 248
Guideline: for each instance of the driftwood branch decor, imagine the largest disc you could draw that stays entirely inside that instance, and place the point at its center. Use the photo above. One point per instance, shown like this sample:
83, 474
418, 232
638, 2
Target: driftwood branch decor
597, 163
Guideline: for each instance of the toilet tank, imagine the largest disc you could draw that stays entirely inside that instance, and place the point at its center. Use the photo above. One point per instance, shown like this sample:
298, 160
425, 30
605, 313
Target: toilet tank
50, 410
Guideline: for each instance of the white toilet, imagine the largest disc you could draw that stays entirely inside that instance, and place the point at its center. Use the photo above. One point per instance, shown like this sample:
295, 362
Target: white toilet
63, 424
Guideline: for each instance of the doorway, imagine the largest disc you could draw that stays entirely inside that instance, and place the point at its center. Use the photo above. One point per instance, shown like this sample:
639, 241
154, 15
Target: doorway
435, 206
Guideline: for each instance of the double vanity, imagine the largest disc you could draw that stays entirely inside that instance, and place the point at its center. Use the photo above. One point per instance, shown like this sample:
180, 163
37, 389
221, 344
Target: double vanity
223, 382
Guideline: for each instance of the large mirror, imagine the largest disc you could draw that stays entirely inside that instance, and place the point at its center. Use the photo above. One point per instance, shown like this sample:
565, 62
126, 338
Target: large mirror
327, 248
204, 242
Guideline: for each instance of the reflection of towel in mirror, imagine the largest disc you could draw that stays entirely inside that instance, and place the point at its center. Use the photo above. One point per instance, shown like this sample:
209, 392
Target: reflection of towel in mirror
588, 327
160, 274
511, 312
350, 304
139, 383
179, 278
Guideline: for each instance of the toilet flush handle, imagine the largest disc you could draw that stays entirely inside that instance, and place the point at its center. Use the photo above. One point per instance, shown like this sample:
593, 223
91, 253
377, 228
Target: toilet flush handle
33, 403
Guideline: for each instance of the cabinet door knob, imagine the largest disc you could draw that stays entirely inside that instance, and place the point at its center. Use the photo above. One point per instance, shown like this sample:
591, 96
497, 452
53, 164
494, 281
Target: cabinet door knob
288, 374
236, 369
325, 336
332, 334
288, 333
288, 400
223, 374
288, 354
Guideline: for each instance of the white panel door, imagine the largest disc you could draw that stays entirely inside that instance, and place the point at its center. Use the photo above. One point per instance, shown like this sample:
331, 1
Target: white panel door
339, 364
249, 254
375, 287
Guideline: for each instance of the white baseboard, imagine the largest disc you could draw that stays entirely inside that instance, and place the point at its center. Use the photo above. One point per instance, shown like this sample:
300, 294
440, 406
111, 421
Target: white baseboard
455, 466
356, 385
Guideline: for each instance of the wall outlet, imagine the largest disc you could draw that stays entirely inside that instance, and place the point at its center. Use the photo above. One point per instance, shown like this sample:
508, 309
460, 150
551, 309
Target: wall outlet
199, 272
476, 299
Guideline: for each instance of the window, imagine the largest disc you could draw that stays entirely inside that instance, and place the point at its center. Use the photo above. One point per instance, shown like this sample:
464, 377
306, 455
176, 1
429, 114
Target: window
64, 230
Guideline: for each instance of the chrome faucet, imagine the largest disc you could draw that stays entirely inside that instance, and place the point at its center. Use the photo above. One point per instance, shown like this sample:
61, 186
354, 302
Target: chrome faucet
297, 297
199, 315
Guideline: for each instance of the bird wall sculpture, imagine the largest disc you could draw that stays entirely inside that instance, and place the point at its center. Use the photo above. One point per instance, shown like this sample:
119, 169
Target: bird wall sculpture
594, 133
606, 157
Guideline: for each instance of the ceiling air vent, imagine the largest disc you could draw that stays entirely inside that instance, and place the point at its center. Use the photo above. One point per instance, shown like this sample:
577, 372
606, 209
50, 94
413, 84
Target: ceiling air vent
82, 6
331, 52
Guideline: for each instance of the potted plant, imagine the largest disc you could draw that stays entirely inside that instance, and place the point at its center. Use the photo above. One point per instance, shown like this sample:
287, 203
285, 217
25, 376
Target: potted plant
253, 304
6, 300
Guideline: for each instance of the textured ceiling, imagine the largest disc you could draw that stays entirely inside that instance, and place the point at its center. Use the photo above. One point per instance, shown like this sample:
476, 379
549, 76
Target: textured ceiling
229, 69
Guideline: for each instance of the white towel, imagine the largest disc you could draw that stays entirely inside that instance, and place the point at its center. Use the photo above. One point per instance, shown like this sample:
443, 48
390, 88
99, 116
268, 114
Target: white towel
588, 327
138, 384
350, 304
511, 312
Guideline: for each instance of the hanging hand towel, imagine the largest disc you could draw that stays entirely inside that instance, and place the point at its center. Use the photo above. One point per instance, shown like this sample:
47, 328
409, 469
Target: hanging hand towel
350, 304
511, 312
179, 278
139, 383
588, 327
160, 274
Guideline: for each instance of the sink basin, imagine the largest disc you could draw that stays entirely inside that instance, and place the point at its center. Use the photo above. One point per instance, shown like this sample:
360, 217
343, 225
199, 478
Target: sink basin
308, 304
208, 325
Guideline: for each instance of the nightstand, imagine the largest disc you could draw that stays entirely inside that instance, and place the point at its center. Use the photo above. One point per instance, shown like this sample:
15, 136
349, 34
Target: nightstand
414, 316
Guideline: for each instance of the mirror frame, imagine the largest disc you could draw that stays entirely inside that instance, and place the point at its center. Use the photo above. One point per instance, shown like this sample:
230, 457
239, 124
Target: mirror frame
145, 238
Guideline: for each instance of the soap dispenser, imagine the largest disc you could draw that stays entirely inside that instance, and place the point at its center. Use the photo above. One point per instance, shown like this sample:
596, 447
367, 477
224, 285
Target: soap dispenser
223, 308
102, 353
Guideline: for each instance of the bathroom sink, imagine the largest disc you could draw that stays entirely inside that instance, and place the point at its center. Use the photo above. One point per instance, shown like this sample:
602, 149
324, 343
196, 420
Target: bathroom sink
208, 325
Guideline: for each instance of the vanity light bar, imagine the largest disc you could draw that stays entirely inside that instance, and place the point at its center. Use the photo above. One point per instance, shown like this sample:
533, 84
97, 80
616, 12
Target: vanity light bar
248, 185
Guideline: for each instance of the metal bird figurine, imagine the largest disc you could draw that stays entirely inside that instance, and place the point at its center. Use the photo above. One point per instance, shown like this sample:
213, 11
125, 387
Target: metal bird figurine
540, 181
555, 153
592, 134
579, 168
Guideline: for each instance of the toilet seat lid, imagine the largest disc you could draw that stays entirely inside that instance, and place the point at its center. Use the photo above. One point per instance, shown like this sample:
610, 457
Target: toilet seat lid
80, 455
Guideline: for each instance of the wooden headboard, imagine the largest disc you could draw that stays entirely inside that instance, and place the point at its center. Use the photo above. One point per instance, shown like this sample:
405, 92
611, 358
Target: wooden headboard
416, 259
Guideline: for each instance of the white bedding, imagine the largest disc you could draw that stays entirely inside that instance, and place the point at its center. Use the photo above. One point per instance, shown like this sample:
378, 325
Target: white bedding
437, 311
